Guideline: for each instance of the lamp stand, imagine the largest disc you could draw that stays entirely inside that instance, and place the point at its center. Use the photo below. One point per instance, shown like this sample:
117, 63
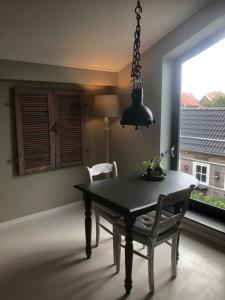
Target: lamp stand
106, 129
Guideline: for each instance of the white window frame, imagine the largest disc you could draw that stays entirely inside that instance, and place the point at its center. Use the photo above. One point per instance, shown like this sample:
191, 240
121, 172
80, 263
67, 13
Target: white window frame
195, 164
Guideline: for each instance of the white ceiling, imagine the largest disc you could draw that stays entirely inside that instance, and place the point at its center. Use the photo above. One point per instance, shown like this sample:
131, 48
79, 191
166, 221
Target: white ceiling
94, 34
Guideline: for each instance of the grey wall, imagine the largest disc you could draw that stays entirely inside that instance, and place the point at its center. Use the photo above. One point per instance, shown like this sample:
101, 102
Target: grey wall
49, 73
21, 196
131, 147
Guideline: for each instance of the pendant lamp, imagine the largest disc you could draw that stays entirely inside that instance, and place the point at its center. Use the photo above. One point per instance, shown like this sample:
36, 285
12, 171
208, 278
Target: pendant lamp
137, 114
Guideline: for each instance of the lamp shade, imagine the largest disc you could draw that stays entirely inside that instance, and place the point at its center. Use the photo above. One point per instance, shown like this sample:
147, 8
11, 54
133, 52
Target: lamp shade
137, 113
105, 106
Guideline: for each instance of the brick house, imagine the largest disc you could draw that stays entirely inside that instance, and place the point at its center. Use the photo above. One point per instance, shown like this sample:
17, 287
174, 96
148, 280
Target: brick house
189, 100
202, 147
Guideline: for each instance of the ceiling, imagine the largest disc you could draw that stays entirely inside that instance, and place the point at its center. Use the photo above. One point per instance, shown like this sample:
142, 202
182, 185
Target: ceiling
96, 34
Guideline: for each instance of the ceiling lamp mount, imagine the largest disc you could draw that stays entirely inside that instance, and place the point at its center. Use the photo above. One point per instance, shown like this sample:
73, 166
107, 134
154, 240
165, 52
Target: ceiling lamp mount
137, 113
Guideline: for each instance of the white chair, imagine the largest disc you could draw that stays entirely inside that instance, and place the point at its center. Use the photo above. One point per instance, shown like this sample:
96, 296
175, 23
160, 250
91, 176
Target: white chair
155, 228
100, 210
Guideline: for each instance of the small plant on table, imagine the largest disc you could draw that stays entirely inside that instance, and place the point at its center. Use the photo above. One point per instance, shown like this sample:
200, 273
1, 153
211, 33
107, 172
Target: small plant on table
153, 167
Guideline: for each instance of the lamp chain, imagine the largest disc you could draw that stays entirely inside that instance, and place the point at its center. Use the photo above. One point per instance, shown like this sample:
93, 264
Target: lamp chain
136, 67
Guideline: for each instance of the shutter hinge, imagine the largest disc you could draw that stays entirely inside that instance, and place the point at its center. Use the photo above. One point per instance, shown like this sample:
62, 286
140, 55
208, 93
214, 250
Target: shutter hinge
12, 160
10, 103
55, 128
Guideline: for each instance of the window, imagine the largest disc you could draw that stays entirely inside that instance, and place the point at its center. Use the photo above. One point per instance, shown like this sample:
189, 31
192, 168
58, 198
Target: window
202, 123
49, 129
201, 172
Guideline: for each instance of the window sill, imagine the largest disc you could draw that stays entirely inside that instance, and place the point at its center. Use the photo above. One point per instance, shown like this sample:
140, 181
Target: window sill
206, 221
207, 210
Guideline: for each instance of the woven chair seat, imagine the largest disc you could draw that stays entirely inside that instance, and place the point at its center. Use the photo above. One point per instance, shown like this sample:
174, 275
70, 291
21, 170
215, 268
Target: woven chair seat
143, 224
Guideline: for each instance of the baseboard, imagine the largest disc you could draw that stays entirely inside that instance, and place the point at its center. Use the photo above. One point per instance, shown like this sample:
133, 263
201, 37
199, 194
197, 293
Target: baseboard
39, 214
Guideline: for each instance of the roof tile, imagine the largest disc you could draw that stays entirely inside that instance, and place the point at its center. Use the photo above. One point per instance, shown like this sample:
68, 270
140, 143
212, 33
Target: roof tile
203, 130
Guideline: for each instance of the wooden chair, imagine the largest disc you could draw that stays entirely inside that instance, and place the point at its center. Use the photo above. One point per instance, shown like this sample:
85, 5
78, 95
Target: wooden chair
100, 210
157, 227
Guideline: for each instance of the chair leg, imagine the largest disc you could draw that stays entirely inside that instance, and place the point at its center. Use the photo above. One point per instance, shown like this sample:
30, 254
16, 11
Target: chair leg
178, 241
97, 227
151, 249
174, 255
117, 249
114, 245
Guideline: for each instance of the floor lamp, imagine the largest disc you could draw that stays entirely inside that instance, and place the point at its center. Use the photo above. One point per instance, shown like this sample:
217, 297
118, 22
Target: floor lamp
106, 106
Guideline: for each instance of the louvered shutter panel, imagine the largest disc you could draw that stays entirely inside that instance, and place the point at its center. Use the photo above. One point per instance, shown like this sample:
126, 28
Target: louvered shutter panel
35, 139
68, 107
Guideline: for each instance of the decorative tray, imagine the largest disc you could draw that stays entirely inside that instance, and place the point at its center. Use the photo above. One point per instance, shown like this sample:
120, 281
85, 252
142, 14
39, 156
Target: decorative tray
152, 177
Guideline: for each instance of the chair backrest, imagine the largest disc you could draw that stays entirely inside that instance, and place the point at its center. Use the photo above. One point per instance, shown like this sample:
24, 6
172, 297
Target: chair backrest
104, 168
178, 202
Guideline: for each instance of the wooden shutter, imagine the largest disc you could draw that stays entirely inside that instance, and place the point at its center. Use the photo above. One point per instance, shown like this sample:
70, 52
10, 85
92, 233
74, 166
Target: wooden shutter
34, 121
68, 106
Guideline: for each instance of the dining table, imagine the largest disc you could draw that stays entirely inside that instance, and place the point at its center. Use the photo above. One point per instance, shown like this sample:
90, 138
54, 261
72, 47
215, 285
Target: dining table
129, 196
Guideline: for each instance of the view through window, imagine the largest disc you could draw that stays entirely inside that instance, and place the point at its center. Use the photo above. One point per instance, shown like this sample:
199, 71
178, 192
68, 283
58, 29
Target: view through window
202, 123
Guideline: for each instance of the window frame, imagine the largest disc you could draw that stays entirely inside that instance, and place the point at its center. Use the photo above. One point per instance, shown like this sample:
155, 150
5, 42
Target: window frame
207, 209
207, 166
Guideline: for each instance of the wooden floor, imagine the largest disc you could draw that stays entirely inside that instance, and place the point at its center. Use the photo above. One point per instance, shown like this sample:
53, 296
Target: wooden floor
44, 259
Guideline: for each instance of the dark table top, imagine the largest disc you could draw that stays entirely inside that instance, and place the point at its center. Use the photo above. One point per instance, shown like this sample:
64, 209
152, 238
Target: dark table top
131, 194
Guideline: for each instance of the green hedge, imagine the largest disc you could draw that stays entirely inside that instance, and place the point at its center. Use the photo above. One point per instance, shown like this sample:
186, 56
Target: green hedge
196, 195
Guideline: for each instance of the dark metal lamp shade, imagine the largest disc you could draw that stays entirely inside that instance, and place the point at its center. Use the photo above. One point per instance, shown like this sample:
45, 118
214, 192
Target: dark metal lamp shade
137, 113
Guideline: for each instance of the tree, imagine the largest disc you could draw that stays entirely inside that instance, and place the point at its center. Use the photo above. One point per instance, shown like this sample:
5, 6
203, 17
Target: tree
217, 101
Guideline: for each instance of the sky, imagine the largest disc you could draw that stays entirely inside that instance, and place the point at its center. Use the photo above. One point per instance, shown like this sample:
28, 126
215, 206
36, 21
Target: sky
205, 72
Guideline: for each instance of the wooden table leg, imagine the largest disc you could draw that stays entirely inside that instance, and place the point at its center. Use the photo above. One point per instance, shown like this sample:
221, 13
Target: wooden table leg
88, 225
129, 222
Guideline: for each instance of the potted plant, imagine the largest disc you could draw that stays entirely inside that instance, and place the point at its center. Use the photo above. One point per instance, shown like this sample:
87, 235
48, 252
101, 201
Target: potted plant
148, 164
153, 167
